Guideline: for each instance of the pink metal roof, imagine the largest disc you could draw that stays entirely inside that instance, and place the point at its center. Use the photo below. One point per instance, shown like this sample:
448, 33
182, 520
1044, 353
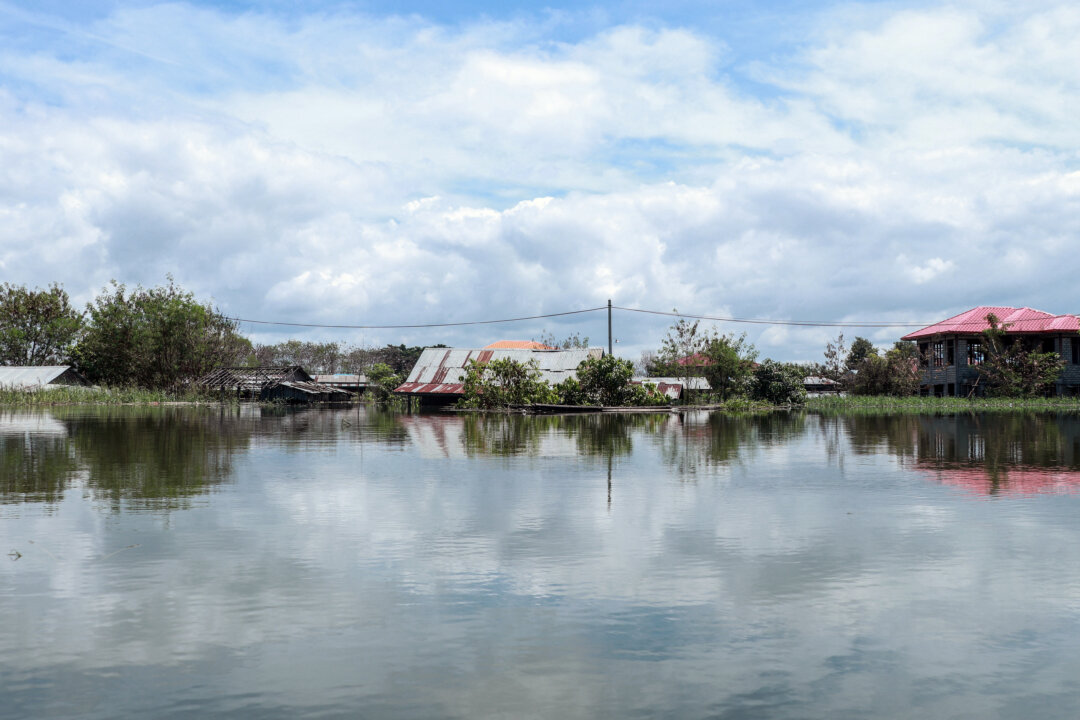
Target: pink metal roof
1016, 320
518, 345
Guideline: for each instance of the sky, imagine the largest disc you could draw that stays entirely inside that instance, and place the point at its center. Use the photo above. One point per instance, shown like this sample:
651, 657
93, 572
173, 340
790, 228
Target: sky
372, 163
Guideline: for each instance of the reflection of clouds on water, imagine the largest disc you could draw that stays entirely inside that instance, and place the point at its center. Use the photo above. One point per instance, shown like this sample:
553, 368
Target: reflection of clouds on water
334, 573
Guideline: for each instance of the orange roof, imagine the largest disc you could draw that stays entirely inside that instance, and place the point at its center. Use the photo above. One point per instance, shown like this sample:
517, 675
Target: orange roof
518, 345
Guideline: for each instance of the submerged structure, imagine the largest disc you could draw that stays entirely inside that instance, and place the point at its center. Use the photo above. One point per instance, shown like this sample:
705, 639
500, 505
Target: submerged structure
951, 350
270, 384
438, 376
26, 377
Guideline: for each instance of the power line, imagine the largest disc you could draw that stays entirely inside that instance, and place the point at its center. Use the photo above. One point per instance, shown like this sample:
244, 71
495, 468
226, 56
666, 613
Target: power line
420, 325
760, 321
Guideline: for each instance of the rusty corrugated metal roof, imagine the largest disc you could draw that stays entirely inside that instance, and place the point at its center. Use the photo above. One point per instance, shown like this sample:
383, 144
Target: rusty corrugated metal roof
1016, 320
441, 371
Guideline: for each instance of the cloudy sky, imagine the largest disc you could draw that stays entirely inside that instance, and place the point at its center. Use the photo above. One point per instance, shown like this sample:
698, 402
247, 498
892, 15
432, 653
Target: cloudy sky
393, 163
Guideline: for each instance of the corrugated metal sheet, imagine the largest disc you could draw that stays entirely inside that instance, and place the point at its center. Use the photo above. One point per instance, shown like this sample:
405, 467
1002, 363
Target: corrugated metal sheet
518, 345
441, 371
340, 379
1018, 320
252, 378
21, 376
673, 387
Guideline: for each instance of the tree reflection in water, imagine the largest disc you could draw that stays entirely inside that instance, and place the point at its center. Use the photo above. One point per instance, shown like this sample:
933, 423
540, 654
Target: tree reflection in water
697, 441
37, 458
152, 458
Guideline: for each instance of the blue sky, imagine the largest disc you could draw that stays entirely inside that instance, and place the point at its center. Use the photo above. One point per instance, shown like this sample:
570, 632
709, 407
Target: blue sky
376, 163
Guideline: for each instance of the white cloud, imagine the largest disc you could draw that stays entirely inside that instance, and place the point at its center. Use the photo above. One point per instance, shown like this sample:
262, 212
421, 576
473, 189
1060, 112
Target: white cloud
348, 169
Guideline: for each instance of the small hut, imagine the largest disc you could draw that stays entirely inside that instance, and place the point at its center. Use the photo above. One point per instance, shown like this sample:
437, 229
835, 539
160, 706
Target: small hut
282, 384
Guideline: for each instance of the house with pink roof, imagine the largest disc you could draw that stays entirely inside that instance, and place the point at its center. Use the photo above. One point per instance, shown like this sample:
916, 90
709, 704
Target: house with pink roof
950, 351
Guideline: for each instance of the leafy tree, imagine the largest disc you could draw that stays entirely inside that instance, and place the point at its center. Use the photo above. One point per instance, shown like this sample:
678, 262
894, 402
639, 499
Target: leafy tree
730, 362
156, 338
861, 349
1011, 370
504, 382
606, 381
37, 327
896, 373
382, 381
778, 384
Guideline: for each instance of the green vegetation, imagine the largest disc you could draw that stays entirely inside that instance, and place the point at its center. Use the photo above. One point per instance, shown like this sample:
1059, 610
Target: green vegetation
124, 395
161, 338
777, 384
504, 383
37, 327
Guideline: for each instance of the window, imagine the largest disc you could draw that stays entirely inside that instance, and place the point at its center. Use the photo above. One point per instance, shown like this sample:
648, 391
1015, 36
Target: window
951, 354
975, 352
1075, 342
937, 353
1048, 345
924, 354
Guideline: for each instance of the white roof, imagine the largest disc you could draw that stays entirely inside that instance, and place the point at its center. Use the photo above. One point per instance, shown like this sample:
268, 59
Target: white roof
21, 376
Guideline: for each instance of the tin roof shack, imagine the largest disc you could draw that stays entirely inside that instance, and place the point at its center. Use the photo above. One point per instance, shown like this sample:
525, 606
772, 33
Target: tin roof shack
288, 384
673, 388
24, 377
816, 385
439, 374
951, 350
352, 383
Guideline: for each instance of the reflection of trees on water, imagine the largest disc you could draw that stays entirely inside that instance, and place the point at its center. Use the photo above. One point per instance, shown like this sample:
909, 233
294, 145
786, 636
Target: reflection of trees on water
37, 460
150, 457
692, 442
157, 458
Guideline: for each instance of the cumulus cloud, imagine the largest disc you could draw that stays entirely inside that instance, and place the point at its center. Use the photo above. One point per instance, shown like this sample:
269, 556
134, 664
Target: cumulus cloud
351, 169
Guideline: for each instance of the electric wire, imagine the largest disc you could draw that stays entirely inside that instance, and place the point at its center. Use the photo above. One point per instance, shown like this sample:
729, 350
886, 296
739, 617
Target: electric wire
672, 313
420, 325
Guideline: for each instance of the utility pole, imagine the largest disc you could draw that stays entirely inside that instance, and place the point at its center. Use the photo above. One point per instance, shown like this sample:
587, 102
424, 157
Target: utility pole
610, 347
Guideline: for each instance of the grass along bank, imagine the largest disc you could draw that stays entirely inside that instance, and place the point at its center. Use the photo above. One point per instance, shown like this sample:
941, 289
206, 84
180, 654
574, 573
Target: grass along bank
70, 395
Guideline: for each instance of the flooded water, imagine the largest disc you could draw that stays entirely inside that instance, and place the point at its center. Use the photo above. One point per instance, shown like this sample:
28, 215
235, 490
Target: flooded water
207, 563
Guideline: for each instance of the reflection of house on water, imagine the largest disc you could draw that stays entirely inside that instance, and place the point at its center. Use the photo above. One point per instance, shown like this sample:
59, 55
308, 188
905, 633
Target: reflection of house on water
1019, 453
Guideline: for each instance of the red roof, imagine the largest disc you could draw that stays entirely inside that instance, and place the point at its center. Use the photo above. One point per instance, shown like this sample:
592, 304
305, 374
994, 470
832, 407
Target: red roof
695, 360
1016, 320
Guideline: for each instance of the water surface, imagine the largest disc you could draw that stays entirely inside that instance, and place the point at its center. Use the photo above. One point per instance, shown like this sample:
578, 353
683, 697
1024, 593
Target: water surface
182, 562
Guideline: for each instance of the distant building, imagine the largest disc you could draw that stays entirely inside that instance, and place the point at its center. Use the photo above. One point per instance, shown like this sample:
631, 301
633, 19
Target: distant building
438, 376
26, 377
674, 388
817, 385
951, 350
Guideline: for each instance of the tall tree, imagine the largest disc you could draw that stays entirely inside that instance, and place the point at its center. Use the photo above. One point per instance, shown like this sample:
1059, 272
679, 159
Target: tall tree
37, 327
157, 338
729, 363
1009, 369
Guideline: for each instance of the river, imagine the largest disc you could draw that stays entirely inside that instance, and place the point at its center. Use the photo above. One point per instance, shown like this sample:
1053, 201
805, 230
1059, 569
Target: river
265, 563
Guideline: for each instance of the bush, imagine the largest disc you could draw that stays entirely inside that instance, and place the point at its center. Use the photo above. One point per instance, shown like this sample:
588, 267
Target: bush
505, 382
777, 384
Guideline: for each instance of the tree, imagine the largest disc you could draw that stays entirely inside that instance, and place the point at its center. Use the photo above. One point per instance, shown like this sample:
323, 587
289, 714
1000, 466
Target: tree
729, 363
382, 380
570, 342
835, 358
156, 338
37, 327
861, 349
504, 382
1011, 370
778, 384
896, 373
607, 381
680, 352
